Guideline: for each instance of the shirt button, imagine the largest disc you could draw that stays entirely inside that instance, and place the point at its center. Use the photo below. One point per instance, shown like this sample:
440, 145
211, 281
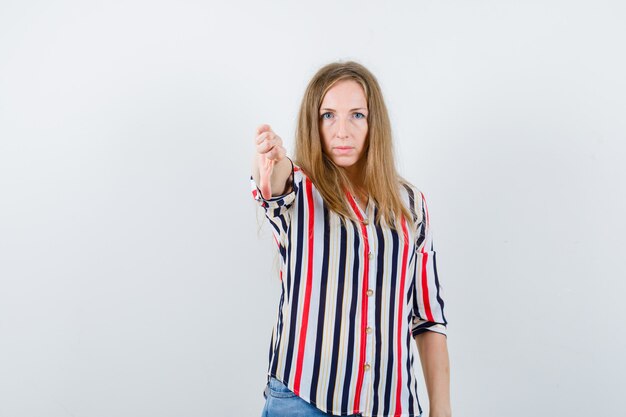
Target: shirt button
366, 222
366, 366
368, 330
370, 293
370, 255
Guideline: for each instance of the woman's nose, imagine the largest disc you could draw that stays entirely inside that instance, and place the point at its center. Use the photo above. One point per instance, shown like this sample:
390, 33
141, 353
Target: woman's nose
342, 128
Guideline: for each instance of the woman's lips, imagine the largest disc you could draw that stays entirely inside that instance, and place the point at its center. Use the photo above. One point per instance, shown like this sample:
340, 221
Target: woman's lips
343, 149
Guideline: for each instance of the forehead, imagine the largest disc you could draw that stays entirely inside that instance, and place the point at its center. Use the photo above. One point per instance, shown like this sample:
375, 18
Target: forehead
345, 93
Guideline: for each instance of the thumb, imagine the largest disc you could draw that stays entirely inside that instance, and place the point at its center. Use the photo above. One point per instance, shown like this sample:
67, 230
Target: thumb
265, 171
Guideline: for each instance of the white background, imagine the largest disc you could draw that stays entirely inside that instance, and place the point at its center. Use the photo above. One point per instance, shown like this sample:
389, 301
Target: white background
134, 279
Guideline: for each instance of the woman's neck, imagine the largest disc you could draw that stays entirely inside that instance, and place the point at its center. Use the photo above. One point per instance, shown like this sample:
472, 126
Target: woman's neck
356, 181
355, 175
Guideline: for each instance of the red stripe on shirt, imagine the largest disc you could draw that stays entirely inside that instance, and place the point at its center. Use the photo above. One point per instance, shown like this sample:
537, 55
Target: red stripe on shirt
425, 295
307, 293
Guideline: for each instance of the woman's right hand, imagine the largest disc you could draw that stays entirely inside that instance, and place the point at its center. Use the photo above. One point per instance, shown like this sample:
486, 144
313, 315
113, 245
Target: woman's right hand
270, 150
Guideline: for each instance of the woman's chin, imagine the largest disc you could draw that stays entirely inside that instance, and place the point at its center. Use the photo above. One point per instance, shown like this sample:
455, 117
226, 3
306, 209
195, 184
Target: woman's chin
344, 162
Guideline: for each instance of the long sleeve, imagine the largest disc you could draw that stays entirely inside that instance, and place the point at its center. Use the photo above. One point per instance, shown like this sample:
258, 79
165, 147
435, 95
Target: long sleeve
428, 304
278, 209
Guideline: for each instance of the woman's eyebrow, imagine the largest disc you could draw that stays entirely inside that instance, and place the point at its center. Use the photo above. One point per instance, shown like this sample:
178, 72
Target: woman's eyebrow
358, 108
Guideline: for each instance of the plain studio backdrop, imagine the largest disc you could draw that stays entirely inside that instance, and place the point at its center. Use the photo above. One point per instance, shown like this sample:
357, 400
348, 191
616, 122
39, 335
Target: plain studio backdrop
137, 277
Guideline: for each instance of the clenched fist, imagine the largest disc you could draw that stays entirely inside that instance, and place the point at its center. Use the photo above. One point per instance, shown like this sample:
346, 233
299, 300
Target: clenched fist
269, 147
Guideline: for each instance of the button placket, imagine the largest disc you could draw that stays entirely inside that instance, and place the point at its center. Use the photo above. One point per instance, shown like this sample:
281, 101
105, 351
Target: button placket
369, 263
371, 307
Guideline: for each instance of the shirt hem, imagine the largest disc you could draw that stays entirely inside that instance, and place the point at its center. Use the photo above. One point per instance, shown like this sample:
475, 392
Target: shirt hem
308, 400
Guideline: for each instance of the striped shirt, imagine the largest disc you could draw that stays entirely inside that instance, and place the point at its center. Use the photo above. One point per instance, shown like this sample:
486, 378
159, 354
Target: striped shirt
353, 296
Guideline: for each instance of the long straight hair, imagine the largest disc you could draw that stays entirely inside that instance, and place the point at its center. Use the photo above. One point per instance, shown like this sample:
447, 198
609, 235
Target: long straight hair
380, 178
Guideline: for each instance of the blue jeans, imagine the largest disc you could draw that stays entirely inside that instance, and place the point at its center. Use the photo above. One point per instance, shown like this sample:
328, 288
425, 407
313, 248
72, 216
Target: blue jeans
281, 402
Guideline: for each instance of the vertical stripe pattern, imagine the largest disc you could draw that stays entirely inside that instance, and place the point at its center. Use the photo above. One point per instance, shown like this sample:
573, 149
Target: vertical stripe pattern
353, 296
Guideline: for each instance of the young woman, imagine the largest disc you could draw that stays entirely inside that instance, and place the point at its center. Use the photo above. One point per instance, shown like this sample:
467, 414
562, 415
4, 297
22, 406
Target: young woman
357, 263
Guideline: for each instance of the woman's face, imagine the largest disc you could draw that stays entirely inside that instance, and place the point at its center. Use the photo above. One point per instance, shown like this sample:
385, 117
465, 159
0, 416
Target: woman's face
343, 123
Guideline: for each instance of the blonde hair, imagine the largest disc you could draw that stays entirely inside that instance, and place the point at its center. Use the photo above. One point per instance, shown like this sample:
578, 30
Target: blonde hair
380, 177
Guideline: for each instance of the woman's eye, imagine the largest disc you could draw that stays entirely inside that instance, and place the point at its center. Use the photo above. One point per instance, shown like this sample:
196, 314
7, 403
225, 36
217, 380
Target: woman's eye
329, 115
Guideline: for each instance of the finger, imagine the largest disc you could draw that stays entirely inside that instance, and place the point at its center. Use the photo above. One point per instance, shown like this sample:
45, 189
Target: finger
276, 153
263, 128
276, 139
264, 136
272, 139
266, 143
265, 147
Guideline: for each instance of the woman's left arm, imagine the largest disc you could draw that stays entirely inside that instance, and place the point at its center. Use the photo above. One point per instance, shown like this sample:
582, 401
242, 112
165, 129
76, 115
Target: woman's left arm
433, 351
